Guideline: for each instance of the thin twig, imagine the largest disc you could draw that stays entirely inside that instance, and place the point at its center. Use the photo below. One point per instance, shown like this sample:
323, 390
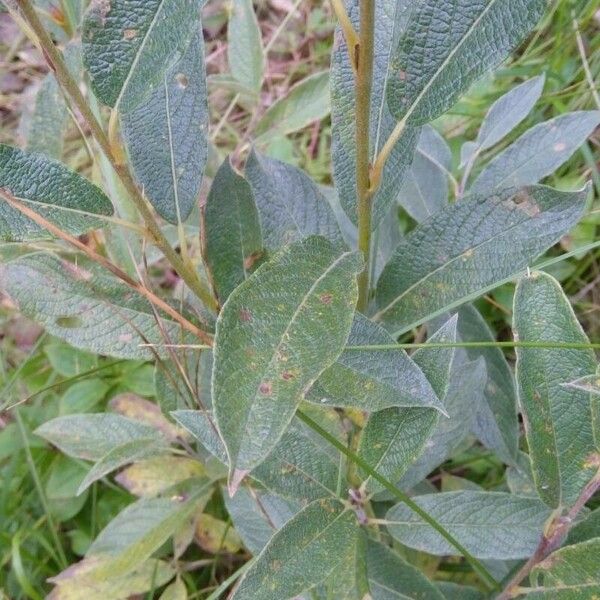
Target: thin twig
57, 64
350, 35
364, 81
101, 260
551, 540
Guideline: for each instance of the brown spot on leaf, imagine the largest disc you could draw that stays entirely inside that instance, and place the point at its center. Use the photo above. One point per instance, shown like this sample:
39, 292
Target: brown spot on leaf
265, 388
130, 34
326, 298
251, 260
402, 75
182, 80
559, 146
287, 375
245, 315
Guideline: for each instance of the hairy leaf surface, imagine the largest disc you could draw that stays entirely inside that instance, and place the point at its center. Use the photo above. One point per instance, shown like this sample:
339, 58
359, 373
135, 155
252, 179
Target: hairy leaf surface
446, 46
571, 573
51, 189
276, 334
93, 436
490, 525
392, 439
503, 116
473, 246
304, 552
371, 380
558, 419
85, 307
232, 233
538, 152
389, 18
166, 136
290, 204
128, 45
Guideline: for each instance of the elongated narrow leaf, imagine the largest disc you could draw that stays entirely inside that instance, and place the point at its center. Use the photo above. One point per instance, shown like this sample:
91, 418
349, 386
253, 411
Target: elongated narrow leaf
139, 530
372, 380
504, 115
488, 524
538, 152
300, 468
93, 436
571, 573
232, 233
306, 102
153, 476
462, 402
244, 48
128, 46
166, 136
85, 307
473, 246
78, 582
392, 439
425, 189
290, 205
51, 189
257, 515
496, 423
558, 420
120, 456
392, 578
276, 334
390, 16
302, 554
446, 46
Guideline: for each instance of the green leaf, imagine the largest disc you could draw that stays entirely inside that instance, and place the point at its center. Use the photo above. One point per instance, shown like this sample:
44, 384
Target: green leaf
128, 46
290, 205
302, 554
256, 515
79, 582
299, 468
92, 436
425, 188
571, 573
85, 306
83, 396
392, 439
389, 22
139, 530
60, 195
175, 591
372, 381
558, 420
586, 529
120, 456
473, 246
496, 423
503, 116
462, 402
277, 332
392, 578
306, 102
490, 525
167, 136
438, 57
232, 231
244, 49
538, 152
65, 476
453, 591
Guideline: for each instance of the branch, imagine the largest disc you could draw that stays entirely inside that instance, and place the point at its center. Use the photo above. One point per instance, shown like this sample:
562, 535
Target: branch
99, 259
364, 80
57, 64
551, 539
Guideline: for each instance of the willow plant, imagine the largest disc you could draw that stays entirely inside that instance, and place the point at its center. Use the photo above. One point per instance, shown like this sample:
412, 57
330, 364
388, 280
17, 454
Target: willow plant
281, 382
